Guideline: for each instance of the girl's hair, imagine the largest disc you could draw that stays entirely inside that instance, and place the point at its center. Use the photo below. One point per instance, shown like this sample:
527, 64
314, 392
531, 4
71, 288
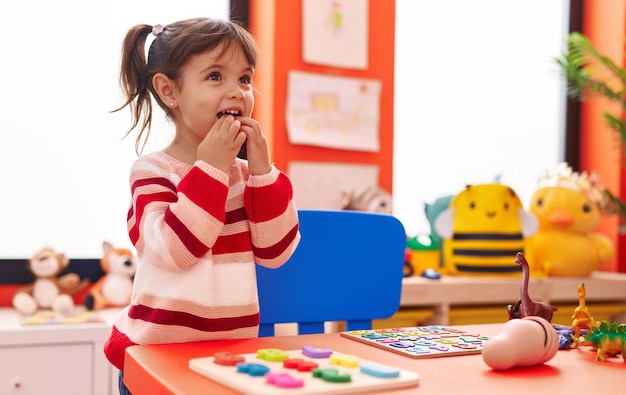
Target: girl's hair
173, 46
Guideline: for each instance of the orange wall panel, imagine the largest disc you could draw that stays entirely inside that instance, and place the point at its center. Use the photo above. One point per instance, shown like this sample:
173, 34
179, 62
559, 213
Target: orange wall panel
603, 24
277, 25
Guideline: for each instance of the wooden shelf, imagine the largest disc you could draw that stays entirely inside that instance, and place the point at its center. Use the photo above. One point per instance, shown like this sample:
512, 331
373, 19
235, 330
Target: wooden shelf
606, 290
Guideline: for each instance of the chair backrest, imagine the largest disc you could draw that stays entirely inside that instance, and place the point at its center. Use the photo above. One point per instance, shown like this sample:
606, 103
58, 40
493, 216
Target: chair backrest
348, 267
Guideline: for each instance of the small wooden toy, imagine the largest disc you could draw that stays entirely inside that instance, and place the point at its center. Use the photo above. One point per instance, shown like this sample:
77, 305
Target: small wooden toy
421, 341
310, 370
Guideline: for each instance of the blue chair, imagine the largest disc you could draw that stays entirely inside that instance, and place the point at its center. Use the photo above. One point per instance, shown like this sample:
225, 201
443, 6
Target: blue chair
348, 267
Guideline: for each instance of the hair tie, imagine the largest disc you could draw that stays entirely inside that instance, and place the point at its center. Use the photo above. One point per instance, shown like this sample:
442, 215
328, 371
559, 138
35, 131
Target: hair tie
156, 30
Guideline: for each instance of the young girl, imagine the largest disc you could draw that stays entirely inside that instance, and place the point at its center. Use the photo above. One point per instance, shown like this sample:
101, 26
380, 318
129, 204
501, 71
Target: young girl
200, 217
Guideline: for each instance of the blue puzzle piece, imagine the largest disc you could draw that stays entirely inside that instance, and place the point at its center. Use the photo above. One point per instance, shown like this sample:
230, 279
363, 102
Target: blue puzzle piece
382, 371
253, 369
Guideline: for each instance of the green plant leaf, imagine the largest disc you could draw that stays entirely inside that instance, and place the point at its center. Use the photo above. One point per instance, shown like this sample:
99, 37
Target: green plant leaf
588, 73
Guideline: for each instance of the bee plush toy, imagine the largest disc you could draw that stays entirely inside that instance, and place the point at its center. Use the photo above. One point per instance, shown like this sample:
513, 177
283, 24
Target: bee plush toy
483, 229
50, 290
115, 287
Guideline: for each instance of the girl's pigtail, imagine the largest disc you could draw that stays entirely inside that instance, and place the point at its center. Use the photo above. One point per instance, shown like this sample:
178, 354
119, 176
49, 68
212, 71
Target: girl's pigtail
134, 81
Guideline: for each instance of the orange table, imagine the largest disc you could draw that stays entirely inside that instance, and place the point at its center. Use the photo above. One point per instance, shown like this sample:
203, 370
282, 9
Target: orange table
163, 369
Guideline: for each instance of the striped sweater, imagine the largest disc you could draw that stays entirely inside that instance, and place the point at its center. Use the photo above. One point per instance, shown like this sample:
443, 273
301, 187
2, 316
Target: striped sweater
198, 232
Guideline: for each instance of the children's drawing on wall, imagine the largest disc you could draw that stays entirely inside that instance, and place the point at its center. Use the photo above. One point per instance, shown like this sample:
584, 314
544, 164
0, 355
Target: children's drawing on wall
333, 112
318, 185
335, 33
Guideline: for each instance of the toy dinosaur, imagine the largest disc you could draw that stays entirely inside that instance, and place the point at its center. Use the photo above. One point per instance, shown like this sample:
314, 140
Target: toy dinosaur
607, 339
527, 306
582, 318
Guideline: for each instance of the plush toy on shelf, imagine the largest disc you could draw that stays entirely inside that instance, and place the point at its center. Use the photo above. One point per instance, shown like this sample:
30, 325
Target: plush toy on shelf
426, 251
370, 198
115, 287
483, 228
432, 211
50, 290
569, 208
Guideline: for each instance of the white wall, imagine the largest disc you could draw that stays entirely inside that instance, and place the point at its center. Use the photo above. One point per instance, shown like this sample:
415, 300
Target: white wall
64, 170
478, 96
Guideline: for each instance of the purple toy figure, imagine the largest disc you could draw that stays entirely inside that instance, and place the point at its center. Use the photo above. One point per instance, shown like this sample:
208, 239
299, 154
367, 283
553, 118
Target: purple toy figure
526, 306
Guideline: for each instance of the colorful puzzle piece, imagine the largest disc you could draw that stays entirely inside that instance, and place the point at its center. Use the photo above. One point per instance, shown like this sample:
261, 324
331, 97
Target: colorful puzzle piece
421, 341
313, 352
310, 370
228, 359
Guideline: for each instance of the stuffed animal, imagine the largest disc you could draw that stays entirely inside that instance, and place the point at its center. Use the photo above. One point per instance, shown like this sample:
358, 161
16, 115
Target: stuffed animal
483, 229
115, 287
370, 198
569, 208
432, 211
50, 290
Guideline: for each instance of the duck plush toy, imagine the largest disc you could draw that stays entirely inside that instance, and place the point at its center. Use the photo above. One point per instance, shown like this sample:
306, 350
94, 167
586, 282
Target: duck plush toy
568, 206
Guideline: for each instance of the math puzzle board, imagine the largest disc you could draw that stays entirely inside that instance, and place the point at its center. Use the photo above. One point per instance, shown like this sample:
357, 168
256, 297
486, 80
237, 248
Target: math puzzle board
307, 371
422, 341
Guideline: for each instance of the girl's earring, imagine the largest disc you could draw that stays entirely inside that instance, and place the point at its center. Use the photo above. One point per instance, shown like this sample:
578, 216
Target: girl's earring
172, 104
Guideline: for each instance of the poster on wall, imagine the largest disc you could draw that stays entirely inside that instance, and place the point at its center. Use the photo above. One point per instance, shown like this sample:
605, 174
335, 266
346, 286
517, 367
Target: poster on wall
335, 33
333, 112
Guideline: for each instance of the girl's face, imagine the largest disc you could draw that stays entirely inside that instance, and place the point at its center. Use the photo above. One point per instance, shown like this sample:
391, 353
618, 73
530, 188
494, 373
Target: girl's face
212, 84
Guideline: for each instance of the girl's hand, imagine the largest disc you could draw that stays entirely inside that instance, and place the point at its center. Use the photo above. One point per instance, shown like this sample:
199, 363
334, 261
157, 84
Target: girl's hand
221, 145
258, 150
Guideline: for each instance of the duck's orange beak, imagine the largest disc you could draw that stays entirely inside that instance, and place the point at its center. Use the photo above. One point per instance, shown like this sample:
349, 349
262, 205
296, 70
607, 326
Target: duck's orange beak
561, 217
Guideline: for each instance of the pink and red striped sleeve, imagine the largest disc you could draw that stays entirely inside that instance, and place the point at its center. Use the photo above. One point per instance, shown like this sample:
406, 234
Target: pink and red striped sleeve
273, 217
184, 222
